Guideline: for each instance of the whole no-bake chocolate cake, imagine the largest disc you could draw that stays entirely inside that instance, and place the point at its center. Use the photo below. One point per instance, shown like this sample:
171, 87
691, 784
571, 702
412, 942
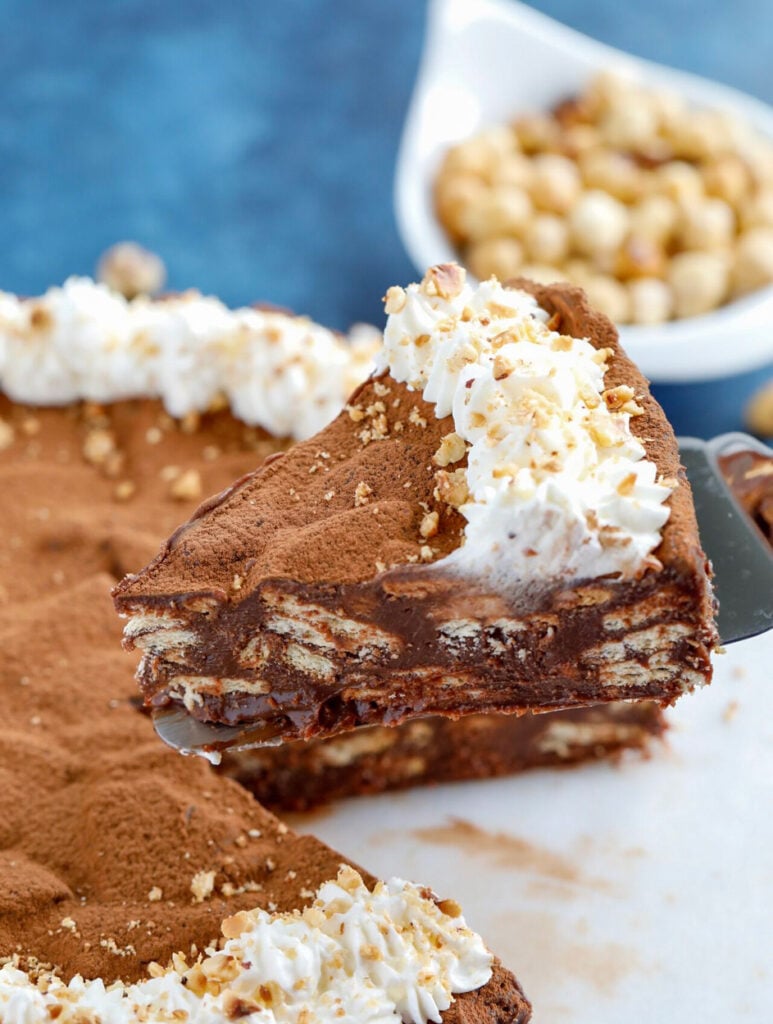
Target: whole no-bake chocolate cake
497, 522
118, 858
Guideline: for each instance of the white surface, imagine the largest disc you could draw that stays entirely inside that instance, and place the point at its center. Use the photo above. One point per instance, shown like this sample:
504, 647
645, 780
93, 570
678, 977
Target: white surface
636, 892
486, 61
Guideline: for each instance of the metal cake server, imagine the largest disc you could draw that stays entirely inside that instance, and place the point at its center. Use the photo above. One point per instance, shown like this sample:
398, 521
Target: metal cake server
740, 555
743, 583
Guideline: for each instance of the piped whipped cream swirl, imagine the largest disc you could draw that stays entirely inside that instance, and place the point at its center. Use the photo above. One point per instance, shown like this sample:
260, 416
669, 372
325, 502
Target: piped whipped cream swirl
354, 957
82, 341
556, 484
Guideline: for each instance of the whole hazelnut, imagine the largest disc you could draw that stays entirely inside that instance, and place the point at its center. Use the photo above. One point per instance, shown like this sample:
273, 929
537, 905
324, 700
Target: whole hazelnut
598, 223
699, 281
497, 257
130, 269
753, 265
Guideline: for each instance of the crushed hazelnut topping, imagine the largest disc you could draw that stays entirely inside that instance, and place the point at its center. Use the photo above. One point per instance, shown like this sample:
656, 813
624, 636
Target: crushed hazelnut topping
155, 895
6, 435
394, 300
502, 366
429, 525
426, 553
451, 487
187, 486
445, 280
452, 449
361, 493
622, 399
98, 445
416, 418
202, 885
124, 490
190, 422
627, 484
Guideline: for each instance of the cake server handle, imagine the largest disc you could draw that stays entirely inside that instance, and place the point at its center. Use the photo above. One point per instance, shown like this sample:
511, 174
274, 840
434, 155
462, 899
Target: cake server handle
741, 557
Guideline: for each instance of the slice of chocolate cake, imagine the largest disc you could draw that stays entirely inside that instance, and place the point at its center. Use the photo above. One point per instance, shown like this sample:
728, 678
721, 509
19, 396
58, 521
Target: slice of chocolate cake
497, 522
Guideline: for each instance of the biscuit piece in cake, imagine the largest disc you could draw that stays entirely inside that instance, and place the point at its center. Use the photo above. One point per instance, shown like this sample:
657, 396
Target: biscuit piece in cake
497, 522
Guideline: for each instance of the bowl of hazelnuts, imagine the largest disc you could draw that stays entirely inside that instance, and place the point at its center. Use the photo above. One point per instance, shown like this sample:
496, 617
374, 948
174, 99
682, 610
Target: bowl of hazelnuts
530, 150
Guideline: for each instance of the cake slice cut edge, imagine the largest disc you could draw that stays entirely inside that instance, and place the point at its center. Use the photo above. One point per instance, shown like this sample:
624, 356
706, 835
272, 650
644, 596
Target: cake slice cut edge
302, 775
359, 579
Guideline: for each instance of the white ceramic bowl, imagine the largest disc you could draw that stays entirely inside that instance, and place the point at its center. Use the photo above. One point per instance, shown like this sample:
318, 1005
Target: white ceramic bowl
486, 61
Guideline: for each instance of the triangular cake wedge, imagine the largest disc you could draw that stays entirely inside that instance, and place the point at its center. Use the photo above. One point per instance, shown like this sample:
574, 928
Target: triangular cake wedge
498, 521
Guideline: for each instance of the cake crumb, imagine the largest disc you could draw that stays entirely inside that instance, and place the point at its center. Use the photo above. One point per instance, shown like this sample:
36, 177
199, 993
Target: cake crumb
202, 885
187, 486
731, 710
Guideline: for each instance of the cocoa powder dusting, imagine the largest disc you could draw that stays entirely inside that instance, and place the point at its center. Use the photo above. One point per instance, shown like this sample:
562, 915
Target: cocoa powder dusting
102, 829
114, 850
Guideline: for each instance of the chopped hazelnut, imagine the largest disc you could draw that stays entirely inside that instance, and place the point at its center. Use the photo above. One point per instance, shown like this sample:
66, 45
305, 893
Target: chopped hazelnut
394, 300
452, 487
202, 885
429, 525
6, 435
124, 490
187, 486
98, 445
130, 269
452, 449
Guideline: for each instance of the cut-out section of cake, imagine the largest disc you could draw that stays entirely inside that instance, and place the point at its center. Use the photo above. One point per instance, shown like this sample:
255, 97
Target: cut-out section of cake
497, 522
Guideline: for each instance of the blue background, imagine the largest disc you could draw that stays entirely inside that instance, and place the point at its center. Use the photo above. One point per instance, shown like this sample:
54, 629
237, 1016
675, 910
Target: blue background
252, 144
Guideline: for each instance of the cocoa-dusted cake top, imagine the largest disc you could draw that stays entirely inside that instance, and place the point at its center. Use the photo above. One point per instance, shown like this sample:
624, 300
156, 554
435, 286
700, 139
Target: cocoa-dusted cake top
277, 371
115, 851
388, 954
390, 486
